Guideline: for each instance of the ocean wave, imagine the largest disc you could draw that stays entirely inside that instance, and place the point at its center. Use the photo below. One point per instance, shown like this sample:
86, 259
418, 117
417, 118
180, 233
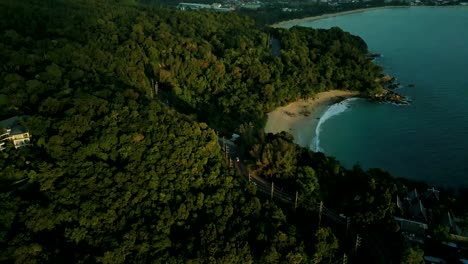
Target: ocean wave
332, 111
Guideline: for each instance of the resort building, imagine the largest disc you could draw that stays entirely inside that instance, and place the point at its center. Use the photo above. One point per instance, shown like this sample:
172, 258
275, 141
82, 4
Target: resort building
11, 130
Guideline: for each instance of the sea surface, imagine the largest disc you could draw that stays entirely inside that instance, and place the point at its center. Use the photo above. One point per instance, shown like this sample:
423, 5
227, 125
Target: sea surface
428, 140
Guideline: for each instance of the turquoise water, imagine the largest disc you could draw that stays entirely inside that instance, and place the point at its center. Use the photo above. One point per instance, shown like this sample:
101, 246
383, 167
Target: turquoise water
424, 46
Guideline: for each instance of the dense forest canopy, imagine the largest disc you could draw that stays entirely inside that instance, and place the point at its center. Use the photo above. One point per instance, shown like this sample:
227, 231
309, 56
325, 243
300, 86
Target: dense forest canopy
215, 65
125, 103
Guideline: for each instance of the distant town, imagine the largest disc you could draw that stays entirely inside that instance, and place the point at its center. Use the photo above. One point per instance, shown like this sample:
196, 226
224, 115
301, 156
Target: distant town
271, 12
298, 6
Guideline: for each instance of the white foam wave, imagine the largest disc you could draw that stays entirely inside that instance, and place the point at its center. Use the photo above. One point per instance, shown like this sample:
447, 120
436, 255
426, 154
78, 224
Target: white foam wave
332, 111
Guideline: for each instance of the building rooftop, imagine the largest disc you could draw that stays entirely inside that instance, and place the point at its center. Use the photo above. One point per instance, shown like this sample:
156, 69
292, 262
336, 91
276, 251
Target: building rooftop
412, 227
432, 193
10, 122
418, 211
399, 203
12, 126
413, 195
12, 130
18, 129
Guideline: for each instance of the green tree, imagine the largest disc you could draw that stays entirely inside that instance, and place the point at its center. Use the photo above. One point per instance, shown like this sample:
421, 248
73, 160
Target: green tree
413, 256
326, 246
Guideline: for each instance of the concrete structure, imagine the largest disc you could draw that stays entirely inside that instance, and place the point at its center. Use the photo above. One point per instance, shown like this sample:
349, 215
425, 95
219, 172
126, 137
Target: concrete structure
11, 130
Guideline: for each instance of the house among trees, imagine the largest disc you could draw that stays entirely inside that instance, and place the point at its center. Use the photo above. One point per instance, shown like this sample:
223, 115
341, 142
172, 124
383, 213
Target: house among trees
11, 130
415, 211
413, 205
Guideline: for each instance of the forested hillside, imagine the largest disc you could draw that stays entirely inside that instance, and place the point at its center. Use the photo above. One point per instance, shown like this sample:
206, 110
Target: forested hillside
215, 65
123, 102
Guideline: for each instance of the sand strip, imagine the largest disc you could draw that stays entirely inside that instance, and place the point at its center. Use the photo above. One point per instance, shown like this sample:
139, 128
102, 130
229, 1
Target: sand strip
301, 117
308, 19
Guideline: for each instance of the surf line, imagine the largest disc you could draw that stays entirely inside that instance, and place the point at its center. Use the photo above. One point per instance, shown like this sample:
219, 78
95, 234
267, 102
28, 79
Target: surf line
332, 111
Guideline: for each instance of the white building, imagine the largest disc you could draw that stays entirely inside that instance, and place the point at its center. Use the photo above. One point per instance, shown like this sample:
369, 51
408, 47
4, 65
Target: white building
11, 130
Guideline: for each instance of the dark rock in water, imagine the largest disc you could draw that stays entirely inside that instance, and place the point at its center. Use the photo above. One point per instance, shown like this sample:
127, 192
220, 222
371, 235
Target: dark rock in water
393, 85
411, 85
388, 83
372, 56
390, 96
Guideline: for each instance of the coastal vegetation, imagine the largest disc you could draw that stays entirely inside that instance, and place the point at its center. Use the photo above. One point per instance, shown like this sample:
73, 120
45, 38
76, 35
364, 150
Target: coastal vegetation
273, 12
125, 105
270, 12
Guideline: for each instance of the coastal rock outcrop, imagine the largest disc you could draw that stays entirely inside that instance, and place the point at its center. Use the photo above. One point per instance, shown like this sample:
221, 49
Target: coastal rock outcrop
388, 81
390, 96
388, 84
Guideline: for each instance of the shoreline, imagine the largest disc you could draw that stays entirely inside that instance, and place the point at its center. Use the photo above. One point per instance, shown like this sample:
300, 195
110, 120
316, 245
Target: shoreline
313, 18
301, 117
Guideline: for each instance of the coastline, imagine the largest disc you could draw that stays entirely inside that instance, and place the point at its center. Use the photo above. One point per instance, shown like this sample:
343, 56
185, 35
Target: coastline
301, 117
309, 19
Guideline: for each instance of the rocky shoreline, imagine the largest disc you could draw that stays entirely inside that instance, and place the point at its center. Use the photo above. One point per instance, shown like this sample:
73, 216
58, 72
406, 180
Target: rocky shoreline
388, 84
390, 96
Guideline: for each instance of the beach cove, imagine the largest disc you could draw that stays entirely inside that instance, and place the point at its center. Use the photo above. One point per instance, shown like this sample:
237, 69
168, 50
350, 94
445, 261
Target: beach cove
301, 118
289, 23
424, 141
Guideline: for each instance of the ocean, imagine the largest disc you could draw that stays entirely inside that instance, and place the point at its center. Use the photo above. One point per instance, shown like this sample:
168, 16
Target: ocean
428, 140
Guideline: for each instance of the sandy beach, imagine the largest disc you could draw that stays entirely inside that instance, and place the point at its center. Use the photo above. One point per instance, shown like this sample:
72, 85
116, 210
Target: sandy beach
301, 117
308, 19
